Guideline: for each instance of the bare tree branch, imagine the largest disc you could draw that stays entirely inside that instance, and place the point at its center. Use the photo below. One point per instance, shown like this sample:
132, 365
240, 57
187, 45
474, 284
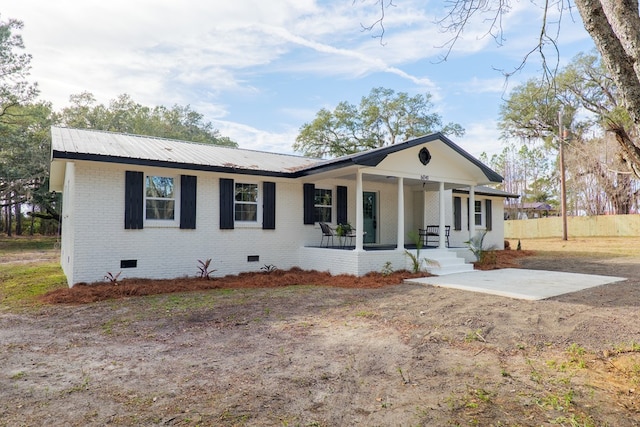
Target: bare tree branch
378, 22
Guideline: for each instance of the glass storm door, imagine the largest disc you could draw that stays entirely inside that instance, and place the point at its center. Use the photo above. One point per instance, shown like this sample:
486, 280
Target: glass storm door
369, 211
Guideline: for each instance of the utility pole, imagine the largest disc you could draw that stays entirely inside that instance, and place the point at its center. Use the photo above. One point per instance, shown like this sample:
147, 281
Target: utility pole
563, 186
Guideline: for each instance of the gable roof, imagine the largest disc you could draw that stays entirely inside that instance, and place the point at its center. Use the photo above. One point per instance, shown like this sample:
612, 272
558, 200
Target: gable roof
110, 147
375, 156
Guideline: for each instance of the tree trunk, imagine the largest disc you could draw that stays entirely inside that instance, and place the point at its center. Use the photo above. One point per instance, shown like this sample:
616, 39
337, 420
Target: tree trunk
614, 26
18, 213
8, 213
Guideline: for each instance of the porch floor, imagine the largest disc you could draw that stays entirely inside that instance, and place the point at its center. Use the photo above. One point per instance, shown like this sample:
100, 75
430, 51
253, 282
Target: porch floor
389, 247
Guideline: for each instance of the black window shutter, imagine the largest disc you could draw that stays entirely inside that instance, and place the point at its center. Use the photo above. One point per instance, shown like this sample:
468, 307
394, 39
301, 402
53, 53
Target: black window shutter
487, 209
134, 200
457, 211
309, 203
188, 185
226, 203
341, 205
269, 205
471, 216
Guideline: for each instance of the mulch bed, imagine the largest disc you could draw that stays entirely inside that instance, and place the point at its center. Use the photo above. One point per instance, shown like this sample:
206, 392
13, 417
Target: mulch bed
87, 293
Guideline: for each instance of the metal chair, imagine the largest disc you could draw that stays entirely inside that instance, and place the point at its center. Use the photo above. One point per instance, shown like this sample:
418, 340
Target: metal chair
432, 233
327, 232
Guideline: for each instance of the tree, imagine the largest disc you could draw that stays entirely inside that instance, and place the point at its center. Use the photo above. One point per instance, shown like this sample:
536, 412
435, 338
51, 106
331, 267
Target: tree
14, 69
15, 92
614, 26
125, 115
384, 117
598, 182
24, 162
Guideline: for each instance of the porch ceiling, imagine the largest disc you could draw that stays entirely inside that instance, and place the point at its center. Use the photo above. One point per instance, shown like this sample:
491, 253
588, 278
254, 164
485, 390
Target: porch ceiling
350, 174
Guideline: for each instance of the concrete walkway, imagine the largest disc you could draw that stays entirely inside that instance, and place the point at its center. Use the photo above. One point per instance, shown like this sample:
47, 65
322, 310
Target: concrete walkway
518, 283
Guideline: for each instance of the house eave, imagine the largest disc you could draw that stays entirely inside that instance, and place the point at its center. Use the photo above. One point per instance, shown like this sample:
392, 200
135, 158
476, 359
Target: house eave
62, 155
502, 194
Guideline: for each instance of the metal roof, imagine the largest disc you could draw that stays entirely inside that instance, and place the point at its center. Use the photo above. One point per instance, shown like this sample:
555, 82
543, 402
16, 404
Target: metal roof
82, 144
94, 145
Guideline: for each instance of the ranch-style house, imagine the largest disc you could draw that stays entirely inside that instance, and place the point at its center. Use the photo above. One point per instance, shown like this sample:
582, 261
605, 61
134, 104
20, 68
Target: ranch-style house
149, 207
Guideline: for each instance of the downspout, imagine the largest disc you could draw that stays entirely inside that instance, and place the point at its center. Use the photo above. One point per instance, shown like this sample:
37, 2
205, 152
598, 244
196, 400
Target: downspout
472, 211
400, 245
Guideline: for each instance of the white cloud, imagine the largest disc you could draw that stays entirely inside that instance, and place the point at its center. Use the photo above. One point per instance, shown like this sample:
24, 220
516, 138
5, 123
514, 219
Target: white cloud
481, 137
215, 55
251, 138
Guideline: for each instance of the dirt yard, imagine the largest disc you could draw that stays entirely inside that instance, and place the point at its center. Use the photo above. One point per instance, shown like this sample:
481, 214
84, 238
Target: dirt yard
396, 355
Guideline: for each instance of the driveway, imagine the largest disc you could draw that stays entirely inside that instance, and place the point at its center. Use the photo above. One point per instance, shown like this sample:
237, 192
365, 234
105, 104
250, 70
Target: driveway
519, 283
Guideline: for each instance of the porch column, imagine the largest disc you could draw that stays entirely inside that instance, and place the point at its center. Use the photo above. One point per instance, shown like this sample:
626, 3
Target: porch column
425, 206
359, 214
400, 214
441, 222
472, 211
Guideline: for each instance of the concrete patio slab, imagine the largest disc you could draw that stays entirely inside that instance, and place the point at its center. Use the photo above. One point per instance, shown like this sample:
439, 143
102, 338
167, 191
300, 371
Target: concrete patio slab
518, 283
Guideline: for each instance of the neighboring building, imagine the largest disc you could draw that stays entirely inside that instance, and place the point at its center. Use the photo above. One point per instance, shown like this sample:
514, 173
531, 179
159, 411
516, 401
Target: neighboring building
151, 207
529, 210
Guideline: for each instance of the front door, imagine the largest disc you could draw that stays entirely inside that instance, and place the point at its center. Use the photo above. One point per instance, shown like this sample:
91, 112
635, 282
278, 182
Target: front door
370, 211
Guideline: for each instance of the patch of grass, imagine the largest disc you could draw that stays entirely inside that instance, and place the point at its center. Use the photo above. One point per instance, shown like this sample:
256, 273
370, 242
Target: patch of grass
366, 314
22, 284
233, 418
108, 326
18, 375
589, 246
474, 336
632, 347
575, 421
26, 243
576, 355
83, 386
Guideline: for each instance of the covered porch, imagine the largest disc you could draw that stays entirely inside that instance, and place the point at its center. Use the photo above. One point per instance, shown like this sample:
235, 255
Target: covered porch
388, 195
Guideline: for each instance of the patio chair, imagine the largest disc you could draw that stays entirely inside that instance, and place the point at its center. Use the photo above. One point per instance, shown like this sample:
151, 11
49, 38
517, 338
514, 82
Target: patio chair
327, 232
432, 234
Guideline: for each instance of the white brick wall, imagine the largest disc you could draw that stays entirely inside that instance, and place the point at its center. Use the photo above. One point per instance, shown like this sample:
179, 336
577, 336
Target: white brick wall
97, 241
94, 239
493, 238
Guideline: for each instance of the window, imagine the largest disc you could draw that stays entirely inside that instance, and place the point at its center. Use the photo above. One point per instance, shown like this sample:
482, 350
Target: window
246, 202
478, 212
160, 198
323, 203
159, 201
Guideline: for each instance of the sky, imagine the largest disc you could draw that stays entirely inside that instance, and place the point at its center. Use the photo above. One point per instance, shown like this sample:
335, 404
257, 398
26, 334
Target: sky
260, 69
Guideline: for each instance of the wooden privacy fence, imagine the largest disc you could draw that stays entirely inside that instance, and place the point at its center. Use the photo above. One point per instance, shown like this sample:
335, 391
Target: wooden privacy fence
577, 226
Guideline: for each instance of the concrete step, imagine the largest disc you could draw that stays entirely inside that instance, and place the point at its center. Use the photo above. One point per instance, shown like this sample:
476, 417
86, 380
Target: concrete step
450, 269
441, 262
